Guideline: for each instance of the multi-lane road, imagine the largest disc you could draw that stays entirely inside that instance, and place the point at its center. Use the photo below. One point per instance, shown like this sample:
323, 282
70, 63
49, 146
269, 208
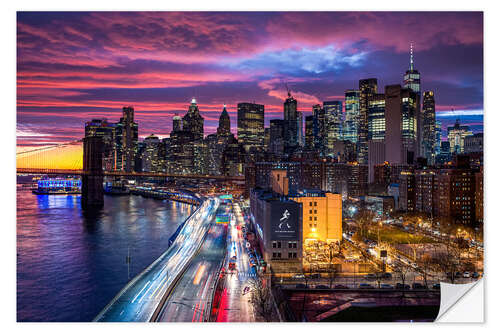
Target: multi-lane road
140, 299
235, 305
190, 299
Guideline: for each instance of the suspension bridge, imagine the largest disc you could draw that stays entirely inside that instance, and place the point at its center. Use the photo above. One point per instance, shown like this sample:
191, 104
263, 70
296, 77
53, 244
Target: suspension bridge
67, 159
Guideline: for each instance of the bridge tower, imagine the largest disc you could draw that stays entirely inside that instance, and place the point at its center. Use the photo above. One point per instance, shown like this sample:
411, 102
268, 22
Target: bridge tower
93, 176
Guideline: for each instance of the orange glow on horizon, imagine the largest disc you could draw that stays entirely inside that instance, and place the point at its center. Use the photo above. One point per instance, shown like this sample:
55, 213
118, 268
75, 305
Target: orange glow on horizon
65, 157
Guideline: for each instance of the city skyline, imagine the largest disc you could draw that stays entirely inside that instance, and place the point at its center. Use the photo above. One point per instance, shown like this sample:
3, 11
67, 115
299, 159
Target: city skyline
159, 61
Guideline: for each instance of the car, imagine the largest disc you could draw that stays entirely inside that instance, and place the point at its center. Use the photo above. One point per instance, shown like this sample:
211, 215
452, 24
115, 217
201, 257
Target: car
386, 286
370, 276
475, 275
436, 286
466, 275
402, 286
322, 286
366, 286
299, 276
300, 286
458, 275
417, 285
340, 286
315, 276
387, 276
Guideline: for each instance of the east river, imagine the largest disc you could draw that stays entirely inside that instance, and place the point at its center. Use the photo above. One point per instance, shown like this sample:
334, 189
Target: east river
70, 265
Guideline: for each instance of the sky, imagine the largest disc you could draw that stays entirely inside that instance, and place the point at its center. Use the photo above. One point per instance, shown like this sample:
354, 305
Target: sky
76, 66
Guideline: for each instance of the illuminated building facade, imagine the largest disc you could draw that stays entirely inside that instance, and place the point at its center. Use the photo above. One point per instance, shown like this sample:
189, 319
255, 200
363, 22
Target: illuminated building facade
376, 117
290, 123
321, 216
106, 130
333, 123
151, 161
128, 132
429, 127
411, 81
193, 122
367, 88
401, 124
456, 137
251, 126
351, 122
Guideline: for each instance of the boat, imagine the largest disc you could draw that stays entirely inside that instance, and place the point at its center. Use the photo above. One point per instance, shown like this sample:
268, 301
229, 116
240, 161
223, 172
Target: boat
57, 186
116, 188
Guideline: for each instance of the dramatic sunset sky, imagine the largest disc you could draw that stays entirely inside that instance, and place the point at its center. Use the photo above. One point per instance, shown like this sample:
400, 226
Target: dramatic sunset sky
72, 67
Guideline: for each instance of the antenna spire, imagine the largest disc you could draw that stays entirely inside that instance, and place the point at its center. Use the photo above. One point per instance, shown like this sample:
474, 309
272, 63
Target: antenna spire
288, 90
411, 56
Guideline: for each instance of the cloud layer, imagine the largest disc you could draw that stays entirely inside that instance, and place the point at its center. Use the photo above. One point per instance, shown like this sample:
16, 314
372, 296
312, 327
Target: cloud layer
76, 66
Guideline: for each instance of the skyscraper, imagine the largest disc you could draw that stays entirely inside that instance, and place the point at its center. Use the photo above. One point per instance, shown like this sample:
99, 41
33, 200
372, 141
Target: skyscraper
300, 128
412, 75
251, 126
438, 137
367, 88
376, 117
411, 80
333, 123
456, 136
401, 124
224, 123
129, 136
151, 156
106, 130
177, 123
193, 121
319, 131
350, 128
429, 127
309, 137
276, 140
290, 122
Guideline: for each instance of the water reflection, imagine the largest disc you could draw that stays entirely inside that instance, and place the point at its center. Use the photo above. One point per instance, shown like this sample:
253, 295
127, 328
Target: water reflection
71, 263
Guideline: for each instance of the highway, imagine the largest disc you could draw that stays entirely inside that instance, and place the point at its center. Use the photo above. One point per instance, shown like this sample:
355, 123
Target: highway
139, 299
190, 300
235, 306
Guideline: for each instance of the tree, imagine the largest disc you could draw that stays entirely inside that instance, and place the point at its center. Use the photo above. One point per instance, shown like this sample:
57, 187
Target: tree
425, 263
363, 219
449, 260
261, 299
401, 270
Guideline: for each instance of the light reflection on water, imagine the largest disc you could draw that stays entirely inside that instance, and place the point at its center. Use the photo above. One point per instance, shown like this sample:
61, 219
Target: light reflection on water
70, 265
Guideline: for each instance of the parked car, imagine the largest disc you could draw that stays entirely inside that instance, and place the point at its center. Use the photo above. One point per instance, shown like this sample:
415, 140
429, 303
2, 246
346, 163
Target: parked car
299, 276
458, 275
436, 286
387, 276
315, 276
322, 286
386, 286
401, 286
366, 286
417, 285
300, 286
475, 275
340, 286
370, 276
466, 275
